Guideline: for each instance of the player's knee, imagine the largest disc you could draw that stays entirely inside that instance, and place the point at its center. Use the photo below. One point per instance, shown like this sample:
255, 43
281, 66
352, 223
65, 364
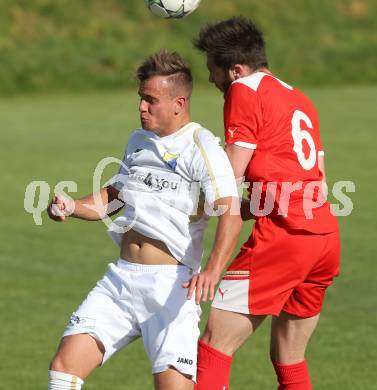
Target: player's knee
59, 364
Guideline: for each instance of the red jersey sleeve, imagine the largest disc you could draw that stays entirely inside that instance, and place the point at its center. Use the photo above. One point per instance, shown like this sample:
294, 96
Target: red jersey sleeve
242, 116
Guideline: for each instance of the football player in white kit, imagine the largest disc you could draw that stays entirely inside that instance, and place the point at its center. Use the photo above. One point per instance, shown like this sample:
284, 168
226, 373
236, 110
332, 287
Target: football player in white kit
174, 172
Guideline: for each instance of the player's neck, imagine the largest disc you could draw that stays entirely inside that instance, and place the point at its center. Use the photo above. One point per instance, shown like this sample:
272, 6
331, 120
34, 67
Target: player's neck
240, 71
263, 69
175, 127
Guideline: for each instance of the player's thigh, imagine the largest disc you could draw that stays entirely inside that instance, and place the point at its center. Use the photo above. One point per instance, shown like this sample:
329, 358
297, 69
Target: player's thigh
104, 319
226, 331
320, 269
172, 379
290, 336
169, 322
78, 355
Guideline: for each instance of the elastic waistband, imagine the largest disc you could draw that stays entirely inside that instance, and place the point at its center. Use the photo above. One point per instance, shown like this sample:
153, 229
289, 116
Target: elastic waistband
136, 267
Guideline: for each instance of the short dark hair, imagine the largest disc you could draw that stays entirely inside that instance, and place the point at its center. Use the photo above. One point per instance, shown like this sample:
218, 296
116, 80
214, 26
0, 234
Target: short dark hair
165, 63
233, 41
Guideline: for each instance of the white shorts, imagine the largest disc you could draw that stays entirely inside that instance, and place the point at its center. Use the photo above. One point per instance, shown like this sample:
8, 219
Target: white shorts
148, 301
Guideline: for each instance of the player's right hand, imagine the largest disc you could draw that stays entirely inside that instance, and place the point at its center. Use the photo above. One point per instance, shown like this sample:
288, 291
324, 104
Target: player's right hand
60, 207
202, 285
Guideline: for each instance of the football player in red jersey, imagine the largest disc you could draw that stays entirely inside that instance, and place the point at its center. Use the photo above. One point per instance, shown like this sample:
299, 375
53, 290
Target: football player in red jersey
273, 141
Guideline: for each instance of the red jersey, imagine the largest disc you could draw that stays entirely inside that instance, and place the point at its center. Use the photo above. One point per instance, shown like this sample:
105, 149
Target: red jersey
281, 125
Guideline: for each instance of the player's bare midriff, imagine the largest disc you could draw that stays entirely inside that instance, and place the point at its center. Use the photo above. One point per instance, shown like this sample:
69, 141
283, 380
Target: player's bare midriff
140, 249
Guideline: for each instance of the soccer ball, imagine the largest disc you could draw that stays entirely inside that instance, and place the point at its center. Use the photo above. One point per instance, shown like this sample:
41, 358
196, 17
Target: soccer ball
172, 8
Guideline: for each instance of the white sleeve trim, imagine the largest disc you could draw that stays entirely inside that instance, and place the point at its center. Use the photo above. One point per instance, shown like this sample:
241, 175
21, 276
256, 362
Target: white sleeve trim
321, 153
245, 145
207, 163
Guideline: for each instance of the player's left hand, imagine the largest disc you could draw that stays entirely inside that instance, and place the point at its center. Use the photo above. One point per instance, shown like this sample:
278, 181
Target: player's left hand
203, 284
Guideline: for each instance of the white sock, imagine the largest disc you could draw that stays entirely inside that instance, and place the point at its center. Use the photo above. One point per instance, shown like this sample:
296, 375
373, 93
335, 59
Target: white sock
61, 381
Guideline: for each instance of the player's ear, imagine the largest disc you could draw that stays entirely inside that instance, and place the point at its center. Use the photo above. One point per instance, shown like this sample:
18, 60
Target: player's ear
180, 104
239, 70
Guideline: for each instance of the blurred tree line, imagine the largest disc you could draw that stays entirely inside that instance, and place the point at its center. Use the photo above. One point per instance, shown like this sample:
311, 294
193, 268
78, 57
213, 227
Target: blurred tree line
50, 45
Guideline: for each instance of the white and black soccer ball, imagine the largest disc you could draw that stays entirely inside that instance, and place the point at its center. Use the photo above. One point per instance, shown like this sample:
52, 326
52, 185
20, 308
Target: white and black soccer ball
172, 8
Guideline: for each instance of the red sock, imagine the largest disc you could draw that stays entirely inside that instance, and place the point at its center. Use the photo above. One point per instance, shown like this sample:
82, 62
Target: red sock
213, 369
293, 376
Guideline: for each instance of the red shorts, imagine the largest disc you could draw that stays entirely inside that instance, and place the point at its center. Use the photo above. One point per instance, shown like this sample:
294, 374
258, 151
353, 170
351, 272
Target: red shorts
280, 270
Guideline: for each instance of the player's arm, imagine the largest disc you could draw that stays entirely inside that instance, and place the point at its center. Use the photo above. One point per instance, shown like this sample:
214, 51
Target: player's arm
246, 213
239, 158
321, 166
228, 229
242, 128
90, 208
220, 188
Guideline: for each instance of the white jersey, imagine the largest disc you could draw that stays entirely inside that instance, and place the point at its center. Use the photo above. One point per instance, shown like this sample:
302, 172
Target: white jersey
164, 182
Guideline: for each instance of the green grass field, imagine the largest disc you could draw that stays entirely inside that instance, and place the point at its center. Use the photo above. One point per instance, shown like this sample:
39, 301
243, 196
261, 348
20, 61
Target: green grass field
45, 271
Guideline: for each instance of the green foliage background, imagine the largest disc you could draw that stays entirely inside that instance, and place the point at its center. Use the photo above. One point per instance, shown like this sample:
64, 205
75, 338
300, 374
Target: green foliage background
88, 44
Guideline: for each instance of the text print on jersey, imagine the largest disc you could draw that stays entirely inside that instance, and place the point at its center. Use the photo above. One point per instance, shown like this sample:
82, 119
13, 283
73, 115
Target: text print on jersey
156, 183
